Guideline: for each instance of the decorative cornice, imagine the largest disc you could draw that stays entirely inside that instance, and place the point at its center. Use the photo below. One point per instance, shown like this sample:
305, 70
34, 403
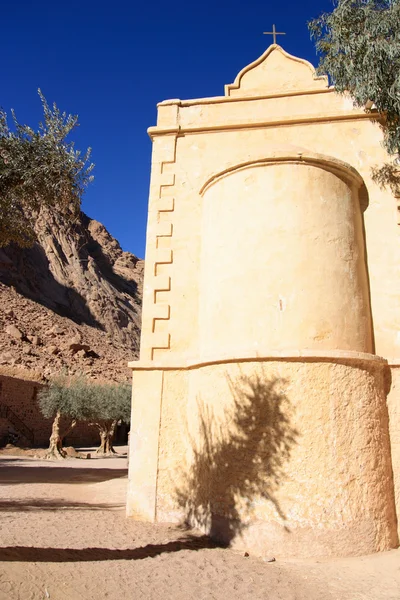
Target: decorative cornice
274, 47
230, 99
292, 120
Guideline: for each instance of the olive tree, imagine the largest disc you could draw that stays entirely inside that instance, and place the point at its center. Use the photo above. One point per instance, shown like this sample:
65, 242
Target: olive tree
359, 47
110, 403
78, 399
66, 399
37, 169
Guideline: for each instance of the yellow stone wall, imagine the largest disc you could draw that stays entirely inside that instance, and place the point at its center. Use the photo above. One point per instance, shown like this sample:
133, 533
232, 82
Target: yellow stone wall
323, 480
283, 212
270, 254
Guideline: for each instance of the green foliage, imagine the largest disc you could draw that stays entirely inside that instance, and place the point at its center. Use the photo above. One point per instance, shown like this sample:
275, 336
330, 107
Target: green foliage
72, 398
82, 400
111, 402
359, 44
38, 168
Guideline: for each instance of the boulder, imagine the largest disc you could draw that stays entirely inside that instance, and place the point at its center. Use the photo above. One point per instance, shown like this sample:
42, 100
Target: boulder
53, 349
6, 358
77, 347
14, 332
34, 340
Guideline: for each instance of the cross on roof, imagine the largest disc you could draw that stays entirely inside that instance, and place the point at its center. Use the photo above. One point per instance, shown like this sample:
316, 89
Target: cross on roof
274, 33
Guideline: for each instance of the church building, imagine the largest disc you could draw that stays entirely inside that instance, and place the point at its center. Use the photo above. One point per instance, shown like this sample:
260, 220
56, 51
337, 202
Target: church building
266, 402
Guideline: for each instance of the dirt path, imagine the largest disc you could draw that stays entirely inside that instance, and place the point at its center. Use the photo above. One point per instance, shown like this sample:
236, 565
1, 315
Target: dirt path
64, 536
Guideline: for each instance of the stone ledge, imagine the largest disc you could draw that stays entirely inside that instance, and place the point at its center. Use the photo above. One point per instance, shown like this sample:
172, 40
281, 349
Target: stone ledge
235, 126
289, 356
393, 363
230, 99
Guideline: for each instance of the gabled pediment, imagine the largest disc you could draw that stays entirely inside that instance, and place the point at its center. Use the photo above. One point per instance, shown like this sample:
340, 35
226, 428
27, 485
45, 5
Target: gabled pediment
273, 72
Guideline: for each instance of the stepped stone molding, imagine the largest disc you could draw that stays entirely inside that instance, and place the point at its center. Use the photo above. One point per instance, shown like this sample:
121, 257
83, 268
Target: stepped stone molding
164, 204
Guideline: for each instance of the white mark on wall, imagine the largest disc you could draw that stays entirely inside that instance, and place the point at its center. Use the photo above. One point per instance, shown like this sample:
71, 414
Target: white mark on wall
361, 157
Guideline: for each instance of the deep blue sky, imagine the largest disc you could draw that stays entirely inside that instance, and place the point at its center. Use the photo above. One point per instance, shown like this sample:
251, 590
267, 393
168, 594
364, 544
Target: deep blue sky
111, 62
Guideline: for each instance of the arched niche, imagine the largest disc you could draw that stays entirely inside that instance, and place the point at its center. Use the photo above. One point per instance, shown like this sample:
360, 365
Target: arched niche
283, 265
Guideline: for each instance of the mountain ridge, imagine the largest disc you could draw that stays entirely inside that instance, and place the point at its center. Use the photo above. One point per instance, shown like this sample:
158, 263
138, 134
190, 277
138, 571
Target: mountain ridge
74, 283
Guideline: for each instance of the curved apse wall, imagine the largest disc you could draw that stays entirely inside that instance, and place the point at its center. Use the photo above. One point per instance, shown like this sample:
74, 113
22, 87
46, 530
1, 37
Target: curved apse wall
282, 264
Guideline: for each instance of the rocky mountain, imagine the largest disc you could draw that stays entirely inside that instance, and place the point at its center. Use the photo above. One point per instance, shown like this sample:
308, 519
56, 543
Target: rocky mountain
71, 301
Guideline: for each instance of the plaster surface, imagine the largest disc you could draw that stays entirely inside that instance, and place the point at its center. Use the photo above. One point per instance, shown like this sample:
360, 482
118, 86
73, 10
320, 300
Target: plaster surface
265, 255
279, 463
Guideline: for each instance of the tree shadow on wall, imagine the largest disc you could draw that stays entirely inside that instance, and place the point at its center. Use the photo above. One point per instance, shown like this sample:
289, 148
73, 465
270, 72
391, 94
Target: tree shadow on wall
239, 460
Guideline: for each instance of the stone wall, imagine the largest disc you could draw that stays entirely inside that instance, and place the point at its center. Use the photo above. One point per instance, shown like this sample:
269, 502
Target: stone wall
20, 395
290, 455
393, 403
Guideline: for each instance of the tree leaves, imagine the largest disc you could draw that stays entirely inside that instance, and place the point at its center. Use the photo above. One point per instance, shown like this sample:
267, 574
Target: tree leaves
39, 168
359, 44
81, 399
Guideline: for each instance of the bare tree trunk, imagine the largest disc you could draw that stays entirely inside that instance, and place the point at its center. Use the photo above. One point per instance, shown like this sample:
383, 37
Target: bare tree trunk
103, 439
111, 437
106, 431
55, 450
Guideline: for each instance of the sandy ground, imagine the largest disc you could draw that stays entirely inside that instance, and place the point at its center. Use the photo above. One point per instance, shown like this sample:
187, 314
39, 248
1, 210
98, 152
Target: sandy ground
64, 536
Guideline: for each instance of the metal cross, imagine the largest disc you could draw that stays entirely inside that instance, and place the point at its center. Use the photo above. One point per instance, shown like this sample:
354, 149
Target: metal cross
274, 33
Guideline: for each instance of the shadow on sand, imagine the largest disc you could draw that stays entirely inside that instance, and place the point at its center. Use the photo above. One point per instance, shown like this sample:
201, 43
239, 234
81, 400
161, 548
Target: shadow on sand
14, 471
27, 554
36, 505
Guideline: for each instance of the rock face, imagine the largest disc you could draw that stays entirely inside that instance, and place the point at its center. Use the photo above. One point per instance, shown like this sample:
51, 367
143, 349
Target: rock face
71, 302
79, 271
